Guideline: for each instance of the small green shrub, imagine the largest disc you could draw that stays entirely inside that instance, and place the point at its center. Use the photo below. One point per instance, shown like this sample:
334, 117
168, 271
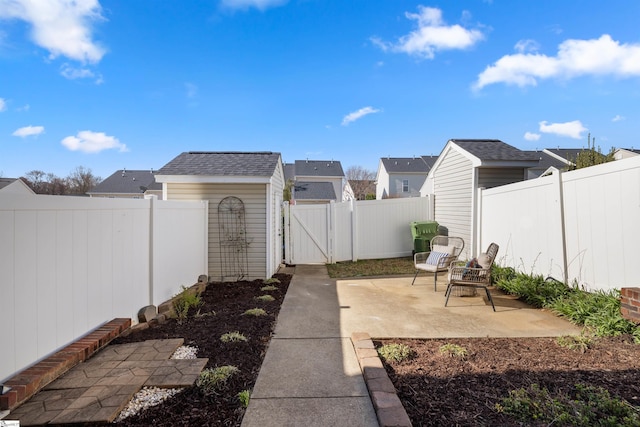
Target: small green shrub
255, 312
184, 302
212, 380
233, 337
269, 288
579, 343
265, 298
453, 350
584, 406
271, 281
244, 397
395, 352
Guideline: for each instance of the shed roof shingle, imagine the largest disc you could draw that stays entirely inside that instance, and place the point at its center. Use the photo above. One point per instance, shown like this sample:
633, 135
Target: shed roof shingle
494, 149
218, 163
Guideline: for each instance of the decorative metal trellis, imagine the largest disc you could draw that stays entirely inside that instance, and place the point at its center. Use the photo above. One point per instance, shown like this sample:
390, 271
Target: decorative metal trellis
233, 238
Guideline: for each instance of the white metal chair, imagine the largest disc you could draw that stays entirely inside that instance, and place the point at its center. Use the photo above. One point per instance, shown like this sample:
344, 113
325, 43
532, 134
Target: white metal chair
444, 251
465, 275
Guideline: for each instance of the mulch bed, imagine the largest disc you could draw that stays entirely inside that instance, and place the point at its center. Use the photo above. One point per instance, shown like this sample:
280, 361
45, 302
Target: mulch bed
228, 301
438, 389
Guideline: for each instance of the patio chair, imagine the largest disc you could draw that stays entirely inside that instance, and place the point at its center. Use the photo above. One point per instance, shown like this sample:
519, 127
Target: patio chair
444, 250
473, 274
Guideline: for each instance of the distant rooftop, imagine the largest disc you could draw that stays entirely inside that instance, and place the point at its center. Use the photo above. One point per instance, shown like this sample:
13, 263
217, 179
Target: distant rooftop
318, 168
126, 181
313, 191
408, 164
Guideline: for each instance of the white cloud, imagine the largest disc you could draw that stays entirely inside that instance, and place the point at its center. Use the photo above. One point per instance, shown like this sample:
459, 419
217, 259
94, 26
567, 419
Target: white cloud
572, 129
530, 136
73, 73
63, 27
92, 142
527, 46
25, 107
23, 132
603, 56
432, 35
618, 118
356, 115
3, 105
246, 4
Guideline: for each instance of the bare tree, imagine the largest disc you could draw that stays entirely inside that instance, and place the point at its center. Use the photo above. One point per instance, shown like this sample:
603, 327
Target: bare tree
36, 179
81, 180
361, 181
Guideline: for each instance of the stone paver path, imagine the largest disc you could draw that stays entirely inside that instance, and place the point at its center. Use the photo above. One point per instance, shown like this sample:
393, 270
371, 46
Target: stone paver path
97, 390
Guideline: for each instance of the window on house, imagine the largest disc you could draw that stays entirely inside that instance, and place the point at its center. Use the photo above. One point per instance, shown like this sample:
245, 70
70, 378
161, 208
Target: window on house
405, 185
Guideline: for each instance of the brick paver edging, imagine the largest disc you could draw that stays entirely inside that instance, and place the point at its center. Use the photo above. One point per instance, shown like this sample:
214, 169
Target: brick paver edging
29, 381
389, 409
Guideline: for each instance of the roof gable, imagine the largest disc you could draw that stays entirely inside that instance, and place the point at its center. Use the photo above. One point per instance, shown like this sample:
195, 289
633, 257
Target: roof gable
545, 161
234, 163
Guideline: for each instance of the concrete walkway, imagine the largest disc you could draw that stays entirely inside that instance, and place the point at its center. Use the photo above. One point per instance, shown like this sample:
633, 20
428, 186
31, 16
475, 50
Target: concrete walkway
310, 375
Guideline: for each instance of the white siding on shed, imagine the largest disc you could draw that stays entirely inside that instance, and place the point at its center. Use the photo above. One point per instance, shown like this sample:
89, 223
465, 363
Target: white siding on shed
453, 189
254, 197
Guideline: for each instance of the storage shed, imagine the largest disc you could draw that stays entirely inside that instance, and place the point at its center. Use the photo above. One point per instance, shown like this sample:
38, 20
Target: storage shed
463, 167
244, 191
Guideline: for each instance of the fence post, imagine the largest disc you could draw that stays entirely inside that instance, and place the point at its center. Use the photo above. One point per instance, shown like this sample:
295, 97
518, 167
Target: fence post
353, 207
563, 238
152, 198
286, 231
331, 230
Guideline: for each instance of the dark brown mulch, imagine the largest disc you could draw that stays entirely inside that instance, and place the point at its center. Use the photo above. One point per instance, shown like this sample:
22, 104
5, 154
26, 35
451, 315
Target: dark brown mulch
228, 301
438, 390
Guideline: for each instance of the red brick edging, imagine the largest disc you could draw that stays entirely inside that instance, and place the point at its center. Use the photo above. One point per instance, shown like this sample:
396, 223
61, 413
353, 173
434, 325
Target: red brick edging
389, 409
28, 382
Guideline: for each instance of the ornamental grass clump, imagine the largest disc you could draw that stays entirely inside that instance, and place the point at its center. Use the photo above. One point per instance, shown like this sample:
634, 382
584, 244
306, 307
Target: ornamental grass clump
453, 350
255, 312
395, 352
212, 380
233, 337
265, 298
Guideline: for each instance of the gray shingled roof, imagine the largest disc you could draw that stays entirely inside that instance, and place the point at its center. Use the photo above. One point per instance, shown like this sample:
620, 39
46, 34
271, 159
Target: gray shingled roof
313, 191
545, 161
128, 182
406, 165
318, 168
494, 149
289, 171
233, 163
6, 181
570, 154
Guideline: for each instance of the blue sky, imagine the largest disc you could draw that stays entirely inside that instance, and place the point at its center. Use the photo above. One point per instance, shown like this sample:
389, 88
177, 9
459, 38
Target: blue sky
111, 84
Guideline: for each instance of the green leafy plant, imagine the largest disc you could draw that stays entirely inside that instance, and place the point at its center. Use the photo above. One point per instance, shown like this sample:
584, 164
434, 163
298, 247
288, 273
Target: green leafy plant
186, 300
233, 337
579, 343
255, 312
269, 288
212, 380
395, 352
584, 406
244, 397
265, 298
453, 350
271, 281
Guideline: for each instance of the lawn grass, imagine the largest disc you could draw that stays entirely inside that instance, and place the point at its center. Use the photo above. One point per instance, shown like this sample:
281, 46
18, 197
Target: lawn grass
371, 267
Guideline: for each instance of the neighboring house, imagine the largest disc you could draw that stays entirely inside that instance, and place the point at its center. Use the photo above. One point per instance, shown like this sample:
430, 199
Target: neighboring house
464, 166
566, 155
244, 191
546, 160
130, 184
14, 186
402, 176
317, 181
625, 153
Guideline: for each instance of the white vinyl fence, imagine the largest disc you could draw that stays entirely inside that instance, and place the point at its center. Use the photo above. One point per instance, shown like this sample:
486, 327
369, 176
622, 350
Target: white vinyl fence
367, 229
69, 264
581, 226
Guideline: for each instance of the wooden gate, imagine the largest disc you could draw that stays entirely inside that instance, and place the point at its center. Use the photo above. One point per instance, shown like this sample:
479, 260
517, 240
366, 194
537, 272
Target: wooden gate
307, 237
